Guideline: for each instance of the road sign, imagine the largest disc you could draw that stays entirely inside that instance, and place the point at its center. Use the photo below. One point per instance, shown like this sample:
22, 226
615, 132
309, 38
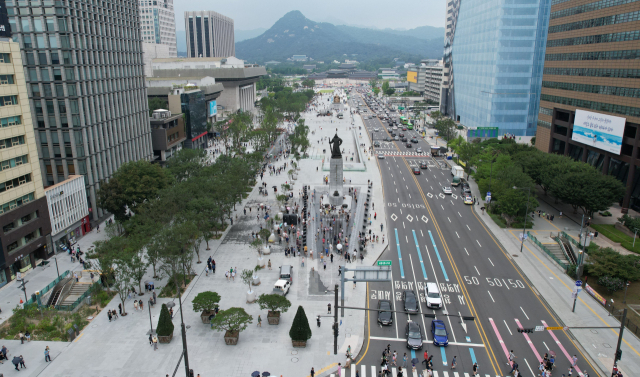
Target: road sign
554, 328
384, 263
578, 283
489, 194
539, 328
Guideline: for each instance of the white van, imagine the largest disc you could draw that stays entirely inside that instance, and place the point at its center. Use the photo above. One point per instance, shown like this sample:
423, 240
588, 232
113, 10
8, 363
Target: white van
432, 293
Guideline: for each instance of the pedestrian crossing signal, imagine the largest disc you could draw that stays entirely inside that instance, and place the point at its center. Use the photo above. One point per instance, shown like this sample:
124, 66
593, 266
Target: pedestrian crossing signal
525, 330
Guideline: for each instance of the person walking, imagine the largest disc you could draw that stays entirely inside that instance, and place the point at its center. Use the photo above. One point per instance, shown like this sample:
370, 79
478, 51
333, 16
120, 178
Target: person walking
259, 321
22, 362
404, 360
155, 343
109, 315
512, 359
454, 363
475, 369
329, 308
313, 372
269, 264
47, 357
21, 336
574, 359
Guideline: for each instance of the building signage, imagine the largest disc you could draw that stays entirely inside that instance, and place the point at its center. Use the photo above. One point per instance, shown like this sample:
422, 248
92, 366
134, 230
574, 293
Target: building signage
412, 77
595, 294
599, 130
213, 108
5, 28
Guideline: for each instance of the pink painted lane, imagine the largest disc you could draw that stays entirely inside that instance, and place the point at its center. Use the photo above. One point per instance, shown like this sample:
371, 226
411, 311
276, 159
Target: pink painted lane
526, 336
504, 346
555, 338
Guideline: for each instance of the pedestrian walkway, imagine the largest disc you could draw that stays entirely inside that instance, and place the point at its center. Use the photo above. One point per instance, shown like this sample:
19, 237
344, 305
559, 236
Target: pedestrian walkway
372, 371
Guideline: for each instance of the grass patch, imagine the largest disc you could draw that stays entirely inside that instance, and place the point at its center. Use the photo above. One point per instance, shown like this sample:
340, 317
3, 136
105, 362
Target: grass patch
170, 289
326, 91
498, 220
615, 235
633, 297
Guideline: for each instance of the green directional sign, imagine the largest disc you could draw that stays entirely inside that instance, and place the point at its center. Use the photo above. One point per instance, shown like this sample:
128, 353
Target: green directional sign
384, 263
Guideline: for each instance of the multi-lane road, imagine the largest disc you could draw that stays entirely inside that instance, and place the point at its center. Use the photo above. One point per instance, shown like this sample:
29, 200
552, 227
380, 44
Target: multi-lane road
435, 237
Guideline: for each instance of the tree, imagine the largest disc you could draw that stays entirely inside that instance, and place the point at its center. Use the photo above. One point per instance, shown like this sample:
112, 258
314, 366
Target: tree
300, 138
376, 90
131, 185
296, 85
186, 163
390, 91
300, 330
165, 325
309, 83
155, 104
610, 263
205, 301
137, 266
122, 279
385, 86
274, 303
247, 278
233, 320
446, 128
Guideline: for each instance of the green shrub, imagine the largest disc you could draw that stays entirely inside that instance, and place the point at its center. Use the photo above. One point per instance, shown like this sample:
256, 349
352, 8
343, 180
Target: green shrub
165, 325
300, 330
611, 284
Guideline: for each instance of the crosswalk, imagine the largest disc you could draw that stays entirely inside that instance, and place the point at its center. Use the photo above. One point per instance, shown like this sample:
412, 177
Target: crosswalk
371, 371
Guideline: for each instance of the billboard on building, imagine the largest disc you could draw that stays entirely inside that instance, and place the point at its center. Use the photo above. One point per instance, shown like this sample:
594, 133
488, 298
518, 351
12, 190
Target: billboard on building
412, 77
213, 108
5, 28
599, 130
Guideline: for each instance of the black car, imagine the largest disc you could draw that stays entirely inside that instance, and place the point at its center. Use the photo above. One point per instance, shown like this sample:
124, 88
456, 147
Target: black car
376, 143
416, 171
385, 316
401, 134
413, 332
414, 140
386, 138
424, 165
408, 145
404, 139
393, 134
410, 301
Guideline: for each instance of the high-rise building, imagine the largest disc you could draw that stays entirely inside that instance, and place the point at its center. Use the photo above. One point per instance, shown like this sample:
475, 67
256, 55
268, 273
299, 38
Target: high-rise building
498, 55
447, 103
433, 79
23, 206
590, 101
158, 24
84, 68
209, 35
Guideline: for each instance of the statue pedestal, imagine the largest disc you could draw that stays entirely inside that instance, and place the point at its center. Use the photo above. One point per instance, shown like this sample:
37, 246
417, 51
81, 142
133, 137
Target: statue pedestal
336, 181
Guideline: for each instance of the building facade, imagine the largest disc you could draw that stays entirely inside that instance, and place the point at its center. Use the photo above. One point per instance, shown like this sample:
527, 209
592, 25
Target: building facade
592, 69
498, 55
158, 24
167, 133
23, 206
433, 79
85, 78
209, 35
68, 212
447, 103
415, 78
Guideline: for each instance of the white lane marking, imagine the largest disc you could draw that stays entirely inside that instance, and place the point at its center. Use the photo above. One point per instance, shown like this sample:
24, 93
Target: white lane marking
468, 227
465, 250
451, 201
491, 262
403, 179
505, 323
396, 190
525, 314
443, 208
477, 270
457, 235
406, 186
531, 370
491, 296
409, 196
431, 187
545, 346
406, 239
449, 219
459, 214
403, 225
422, 234
478, 243
394, 182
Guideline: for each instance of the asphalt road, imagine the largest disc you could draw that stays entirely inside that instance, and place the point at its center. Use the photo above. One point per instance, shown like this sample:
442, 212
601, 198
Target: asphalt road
435, 237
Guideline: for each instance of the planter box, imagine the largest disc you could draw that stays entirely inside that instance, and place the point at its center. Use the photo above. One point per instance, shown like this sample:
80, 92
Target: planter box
165, 339
231, 338
205, 316
299, 344
273, 318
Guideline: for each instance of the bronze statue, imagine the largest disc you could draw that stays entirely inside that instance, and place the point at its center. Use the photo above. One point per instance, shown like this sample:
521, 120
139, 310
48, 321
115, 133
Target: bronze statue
335, 148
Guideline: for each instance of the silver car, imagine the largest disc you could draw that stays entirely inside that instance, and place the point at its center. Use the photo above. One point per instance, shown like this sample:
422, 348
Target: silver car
446, 190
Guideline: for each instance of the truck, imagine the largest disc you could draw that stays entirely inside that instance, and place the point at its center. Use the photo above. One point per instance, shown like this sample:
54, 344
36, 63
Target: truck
458, 174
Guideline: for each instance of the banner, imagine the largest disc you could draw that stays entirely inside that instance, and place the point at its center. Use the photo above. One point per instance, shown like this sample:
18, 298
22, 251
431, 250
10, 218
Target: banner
213, 108
595, 294
5, 28
599, 130
412, 77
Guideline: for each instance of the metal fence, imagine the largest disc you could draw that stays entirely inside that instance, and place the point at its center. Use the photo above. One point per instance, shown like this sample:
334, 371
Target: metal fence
49, 287
544, 248
96, 287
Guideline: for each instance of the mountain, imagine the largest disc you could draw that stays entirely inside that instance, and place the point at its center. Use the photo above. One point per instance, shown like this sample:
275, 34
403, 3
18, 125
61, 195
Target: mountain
242, 35
422, 32
294, 34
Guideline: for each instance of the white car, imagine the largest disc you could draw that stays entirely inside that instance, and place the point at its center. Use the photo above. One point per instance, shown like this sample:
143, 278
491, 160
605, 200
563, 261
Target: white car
375, 130
419, 150
282, 287
446, 190
381, 156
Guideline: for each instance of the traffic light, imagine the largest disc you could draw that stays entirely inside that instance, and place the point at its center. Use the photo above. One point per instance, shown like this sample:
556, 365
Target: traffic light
618, 355
335, 330
525, 330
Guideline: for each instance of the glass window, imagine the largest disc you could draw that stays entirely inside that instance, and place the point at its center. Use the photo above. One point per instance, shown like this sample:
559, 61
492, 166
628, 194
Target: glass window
42, 57
45, 74
60, 90
47, 90
35, 90
31, 60
37, 24
71, 88
25, 24
50, 24
40, 41
57, 74
26, 41
53, 41
54, 58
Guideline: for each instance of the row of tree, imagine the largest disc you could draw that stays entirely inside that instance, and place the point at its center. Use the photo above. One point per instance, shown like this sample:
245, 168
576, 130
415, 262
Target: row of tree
500, 165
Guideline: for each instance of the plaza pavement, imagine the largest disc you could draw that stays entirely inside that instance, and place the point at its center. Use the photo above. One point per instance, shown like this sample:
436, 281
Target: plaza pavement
121, 348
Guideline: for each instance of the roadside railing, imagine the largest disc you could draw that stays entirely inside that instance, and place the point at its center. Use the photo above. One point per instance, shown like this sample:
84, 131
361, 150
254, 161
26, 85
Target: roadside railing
544, 248
94, 288
49, 286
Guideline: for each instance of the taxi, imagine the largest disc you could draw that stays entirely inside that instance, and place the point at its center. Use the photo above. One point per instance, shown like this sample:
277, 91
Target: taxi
468, 200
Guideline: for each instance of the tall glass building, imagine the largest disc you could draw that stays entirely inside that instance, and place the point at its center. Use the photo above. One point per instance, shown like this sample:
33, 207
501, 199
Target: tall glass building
498, 54
84, 70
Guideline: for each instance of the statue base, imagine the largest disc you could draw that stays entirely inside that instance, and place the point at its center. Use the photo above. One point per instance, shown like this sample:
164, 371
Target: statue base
336, 181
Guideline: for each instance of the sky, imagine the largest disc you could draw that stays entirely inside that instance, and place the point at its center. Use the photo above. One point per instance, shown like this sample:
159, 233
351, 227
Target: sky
254, 14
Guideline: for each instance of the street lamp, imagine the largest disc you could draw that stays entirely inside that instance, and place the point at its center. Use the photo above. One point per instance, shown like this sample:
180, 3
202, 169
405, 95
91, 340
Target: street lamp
526, 214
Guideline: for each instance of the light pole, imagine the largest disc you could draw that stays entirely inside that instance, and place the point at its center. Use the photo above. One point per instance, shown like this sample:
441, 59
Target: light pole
625, 292
526, 214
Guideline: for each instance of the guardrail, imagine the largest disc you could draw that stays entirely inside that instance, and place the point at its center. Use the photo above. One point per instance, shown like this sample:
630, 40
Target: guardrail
94, 288
50, 286
544, 248
571, 239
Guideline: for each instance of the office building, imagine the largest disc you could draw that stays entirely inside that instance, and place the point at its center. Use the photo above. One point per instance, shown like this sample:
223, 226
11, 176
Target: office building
498, 54
23, 207
415, 78
433, 79
158, 25
167, 133
85, 79
209, 35
237, 78
68, 212
592, 77
447, 103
